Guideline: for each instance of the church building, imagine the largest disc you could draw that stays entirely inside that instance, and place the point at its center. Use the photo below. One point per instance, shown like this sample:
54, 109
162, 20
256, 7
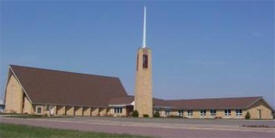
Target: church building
32, 90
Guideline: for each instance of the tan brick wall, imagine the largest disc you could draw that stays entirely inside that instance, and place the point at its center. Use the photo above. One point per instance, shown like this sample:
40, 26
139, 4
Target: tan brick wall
103, 112
87, 111
95, 111
233, 114
162, 113
124, 113
28, 108
266, 112
174, 113
112, 112
255, 110
143, 88
60, 110
14, 96
43, 109
78, 111
69, 110
196, 114
220, 113
52, 110
208, 115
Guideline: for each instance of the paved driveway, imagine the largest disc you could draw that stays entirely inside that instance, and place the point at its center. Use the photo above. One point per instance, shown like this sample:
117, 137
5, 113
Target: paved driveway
157, 127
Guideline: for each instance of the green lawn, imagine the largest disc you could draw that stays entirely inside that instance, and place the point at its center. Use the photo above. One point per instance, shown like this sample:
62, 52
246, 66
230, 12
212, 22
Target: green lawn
31, 116
22, 131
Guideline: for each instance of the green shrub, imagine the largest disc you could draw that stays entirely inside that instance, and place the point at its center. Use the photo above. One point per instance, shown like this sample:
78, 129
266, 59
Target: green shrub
135, 113
247, 116
145, 115
156, 114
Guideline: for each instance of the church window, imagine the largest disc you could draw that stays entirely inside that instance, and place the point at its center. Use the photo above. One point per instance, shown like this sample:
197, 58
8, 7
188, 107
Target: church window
145, 61
118, 110
227, 112
203, 113
180, 112
213, 112
38, 109
167, 112
239, 112
189, 113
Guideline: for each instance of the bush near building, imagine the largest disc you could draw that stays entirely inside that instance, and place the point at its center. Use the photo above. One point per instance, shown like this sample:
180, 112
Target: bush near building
247, 116
135, 113
156, 114
145, 115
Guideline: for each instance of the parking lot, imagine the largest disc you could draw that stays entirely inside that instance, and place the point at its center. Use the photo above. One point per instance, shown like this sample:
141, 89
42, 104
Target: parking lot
159, 127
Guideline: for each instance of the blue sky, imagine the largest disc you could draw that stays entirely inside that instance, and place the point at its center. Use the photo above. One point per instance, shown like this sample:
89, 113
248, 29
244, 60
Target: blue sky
200, 49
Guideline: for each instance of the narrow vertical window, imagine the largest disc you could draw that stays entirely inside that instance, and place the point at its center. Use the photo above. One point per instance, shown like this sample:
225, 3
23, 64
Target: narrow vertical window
189, 113
145, 61
180, 113
213, 112
23, 103
118, 110
167, 112
239, 112
227, 112
203, 113
38, 109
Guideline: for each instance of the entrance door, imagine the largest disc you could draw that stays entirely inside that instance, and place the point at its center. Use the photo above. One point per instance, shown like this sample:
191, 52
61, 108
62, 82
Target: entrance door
129, 110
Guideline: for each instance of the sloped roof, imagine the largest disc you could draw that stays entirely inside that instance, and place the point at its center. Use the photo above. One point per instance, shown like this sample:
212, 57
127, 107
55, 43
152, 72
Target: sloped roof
186, 104
127, 100
45, 86
214, 103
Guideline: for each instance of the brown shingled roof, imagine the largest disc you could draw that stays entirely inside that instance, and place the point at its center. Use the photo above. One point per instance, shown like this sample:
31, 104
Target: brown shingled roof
186, 104
127, 100
213, 103
45, 86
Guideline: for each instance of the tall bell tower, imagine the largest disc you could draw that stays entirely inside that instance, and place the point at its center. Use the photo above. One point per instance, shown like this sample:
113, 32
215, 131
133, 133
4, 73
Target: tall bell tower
143, 89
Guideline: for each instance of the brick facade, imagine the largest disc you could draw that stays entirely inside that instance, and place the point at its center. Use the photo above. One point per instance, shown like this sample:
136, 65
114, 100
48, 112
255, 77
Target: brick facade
143, 88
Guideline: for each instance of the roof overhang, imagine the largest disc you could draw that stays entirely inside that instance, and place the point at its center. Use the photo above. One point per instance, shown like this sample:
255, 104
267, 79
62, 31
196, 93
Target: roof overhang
122, 105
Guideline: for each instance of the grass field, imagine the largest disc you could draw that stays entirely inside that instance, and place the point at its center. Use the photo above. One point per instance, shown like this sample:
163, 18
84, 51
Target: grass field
21, 131
23, 116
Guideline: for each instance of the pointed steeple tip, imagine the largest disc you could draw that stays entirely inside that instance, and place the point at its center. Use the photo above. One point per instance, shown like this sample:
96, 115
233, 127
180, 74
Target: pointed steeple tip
144, 29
